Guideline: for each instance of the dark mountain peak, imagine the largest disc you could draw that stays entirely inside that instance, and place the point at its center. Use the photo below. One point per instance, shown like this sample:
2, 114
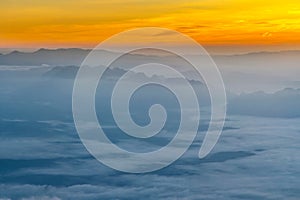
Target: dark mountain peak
271, 53
15, 52
45, 56
62, 50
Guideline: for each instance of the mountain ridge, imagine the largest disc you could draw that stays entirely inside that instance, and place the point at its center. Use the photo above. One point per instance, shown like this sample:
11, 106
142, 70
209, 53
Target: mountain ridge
75, 56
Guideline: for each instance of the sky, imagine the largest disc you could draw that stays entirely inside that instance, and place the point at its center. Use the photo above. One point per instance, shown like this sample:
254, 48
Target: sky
271, 24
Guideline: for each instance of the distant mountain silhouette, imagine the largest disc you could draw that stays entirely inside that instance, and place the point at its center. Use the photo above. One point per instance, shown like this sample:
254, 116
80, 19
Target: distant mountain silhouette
45, 56
75, 56
260, 58
69, 72
284, 103
66, 72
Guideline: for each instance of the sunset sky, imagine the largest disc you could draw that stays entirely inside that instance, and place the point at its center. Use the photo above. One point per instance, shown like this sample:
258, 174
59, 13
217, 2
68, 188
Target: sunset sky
85, 23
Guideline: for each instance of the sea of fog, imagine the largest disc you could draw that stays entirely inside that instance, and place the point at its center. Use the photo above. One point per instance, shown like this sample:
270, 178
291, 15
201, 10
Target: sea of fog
42, 157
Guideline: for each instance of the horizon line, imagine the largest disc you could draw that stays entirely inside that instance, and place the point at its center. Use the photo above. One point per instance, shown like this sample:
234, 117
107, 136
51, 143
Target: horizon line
211, 49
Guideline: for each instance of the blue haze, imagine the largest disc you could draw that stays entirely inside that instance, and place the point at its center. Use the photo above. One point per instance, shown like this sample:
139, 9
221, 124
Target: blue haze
42, 157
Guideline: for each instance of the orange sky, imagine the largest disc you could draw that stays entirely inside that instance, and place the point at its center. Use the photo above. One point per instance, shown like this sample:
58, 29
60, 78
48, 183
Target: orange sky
85, 23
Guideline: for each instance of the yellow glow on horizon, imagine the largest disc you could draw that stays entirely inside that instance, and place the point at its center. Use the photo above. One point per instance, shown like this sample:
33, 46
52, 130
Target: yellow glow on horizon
85, 23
